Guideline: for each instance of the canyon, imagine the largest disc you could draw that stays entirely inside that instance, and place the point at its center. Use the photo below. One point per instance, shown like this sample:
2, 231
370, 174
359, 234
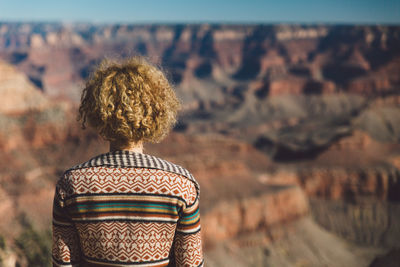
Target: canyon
292, 132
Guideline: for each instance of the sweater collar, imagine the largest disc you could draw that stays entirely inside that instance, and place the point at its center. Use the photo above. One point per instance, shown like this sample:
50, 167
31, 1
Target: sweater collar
130, 159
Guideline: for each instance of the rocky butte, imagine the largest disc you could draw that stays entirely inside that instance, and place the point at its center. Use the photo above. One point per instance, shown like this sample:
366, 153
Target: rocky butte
297, 126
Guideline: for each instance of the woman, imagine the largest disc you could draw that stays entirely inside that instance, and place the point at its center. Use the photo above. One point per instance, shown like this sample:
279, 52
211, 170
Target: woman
127, 208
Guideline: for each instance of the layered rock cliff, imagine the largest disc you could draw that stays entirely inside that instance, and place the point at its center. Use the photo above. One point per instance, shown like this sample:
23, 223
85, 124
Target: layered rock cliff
17, 92
276, 59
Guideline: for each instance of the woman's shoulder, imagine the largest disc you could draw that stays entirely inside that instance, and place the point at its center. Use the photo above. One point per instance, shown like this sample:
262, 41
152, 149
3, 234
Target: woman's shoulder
129, 159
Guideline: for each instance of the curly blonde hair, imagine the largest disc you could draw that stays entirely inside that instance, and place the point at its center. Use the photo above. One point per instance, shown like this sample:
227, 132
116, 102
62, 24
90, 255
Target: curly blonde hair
129, 101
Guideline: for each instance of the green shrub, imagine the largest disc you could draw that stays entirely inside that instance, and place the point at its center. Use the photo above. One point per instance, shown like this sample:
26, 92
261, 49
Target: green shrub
2, 243
34, 245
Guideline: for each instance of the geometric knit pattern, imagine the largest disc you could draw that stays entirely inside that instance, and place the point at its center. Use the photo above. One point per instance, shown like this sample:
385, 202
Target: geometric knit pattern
125, 208
187, 249
64, 244
126, 242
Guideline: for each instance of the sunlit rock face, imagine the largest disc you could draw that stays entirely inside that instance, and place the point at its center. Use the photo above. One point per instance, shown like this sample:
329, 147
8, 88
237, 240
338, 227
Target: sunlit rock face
17, 91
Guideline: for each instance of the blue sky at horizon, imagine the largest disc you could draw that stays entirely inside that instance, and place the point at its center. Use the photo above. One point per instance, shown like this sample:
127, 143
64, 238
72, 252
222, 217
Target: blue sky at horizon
217, 11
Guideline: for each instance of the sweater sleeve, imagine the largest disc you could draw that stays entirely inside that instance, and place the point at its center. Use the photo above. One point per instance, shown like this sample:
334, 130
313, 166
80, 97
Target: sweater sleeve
187, 244
65, 246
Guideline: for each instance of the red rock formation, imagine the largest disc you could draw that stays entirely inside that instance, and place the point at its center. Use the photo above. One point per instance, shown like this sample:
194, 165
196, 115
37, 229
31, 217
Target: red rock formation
349, 184
293, 86
379, 82
58, 57
229, 218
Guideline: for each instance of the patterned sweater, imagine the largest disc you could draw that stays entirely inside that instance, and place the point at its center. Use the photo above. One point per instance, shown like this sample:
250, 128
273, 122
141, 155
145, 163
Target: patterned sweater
126, 209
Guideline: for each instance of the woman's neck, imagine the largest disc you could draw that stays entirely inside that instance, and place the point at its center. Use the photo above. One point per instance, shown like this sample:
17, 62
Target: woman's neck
132, 146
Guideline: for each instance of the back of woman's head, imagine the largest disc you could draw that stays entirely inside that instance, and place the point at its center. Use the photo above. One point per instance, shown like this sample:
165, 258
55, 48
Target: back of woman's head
129, 102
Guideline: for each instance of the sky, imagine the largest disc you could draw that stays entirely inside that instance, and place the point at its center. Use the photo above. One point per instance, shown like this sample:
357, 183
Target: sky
198, 11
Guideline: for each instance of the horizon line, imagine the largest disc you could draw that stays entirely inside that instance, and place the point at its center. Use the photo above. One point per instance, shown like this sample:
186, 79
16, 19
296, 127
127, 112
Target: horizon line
304, 23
